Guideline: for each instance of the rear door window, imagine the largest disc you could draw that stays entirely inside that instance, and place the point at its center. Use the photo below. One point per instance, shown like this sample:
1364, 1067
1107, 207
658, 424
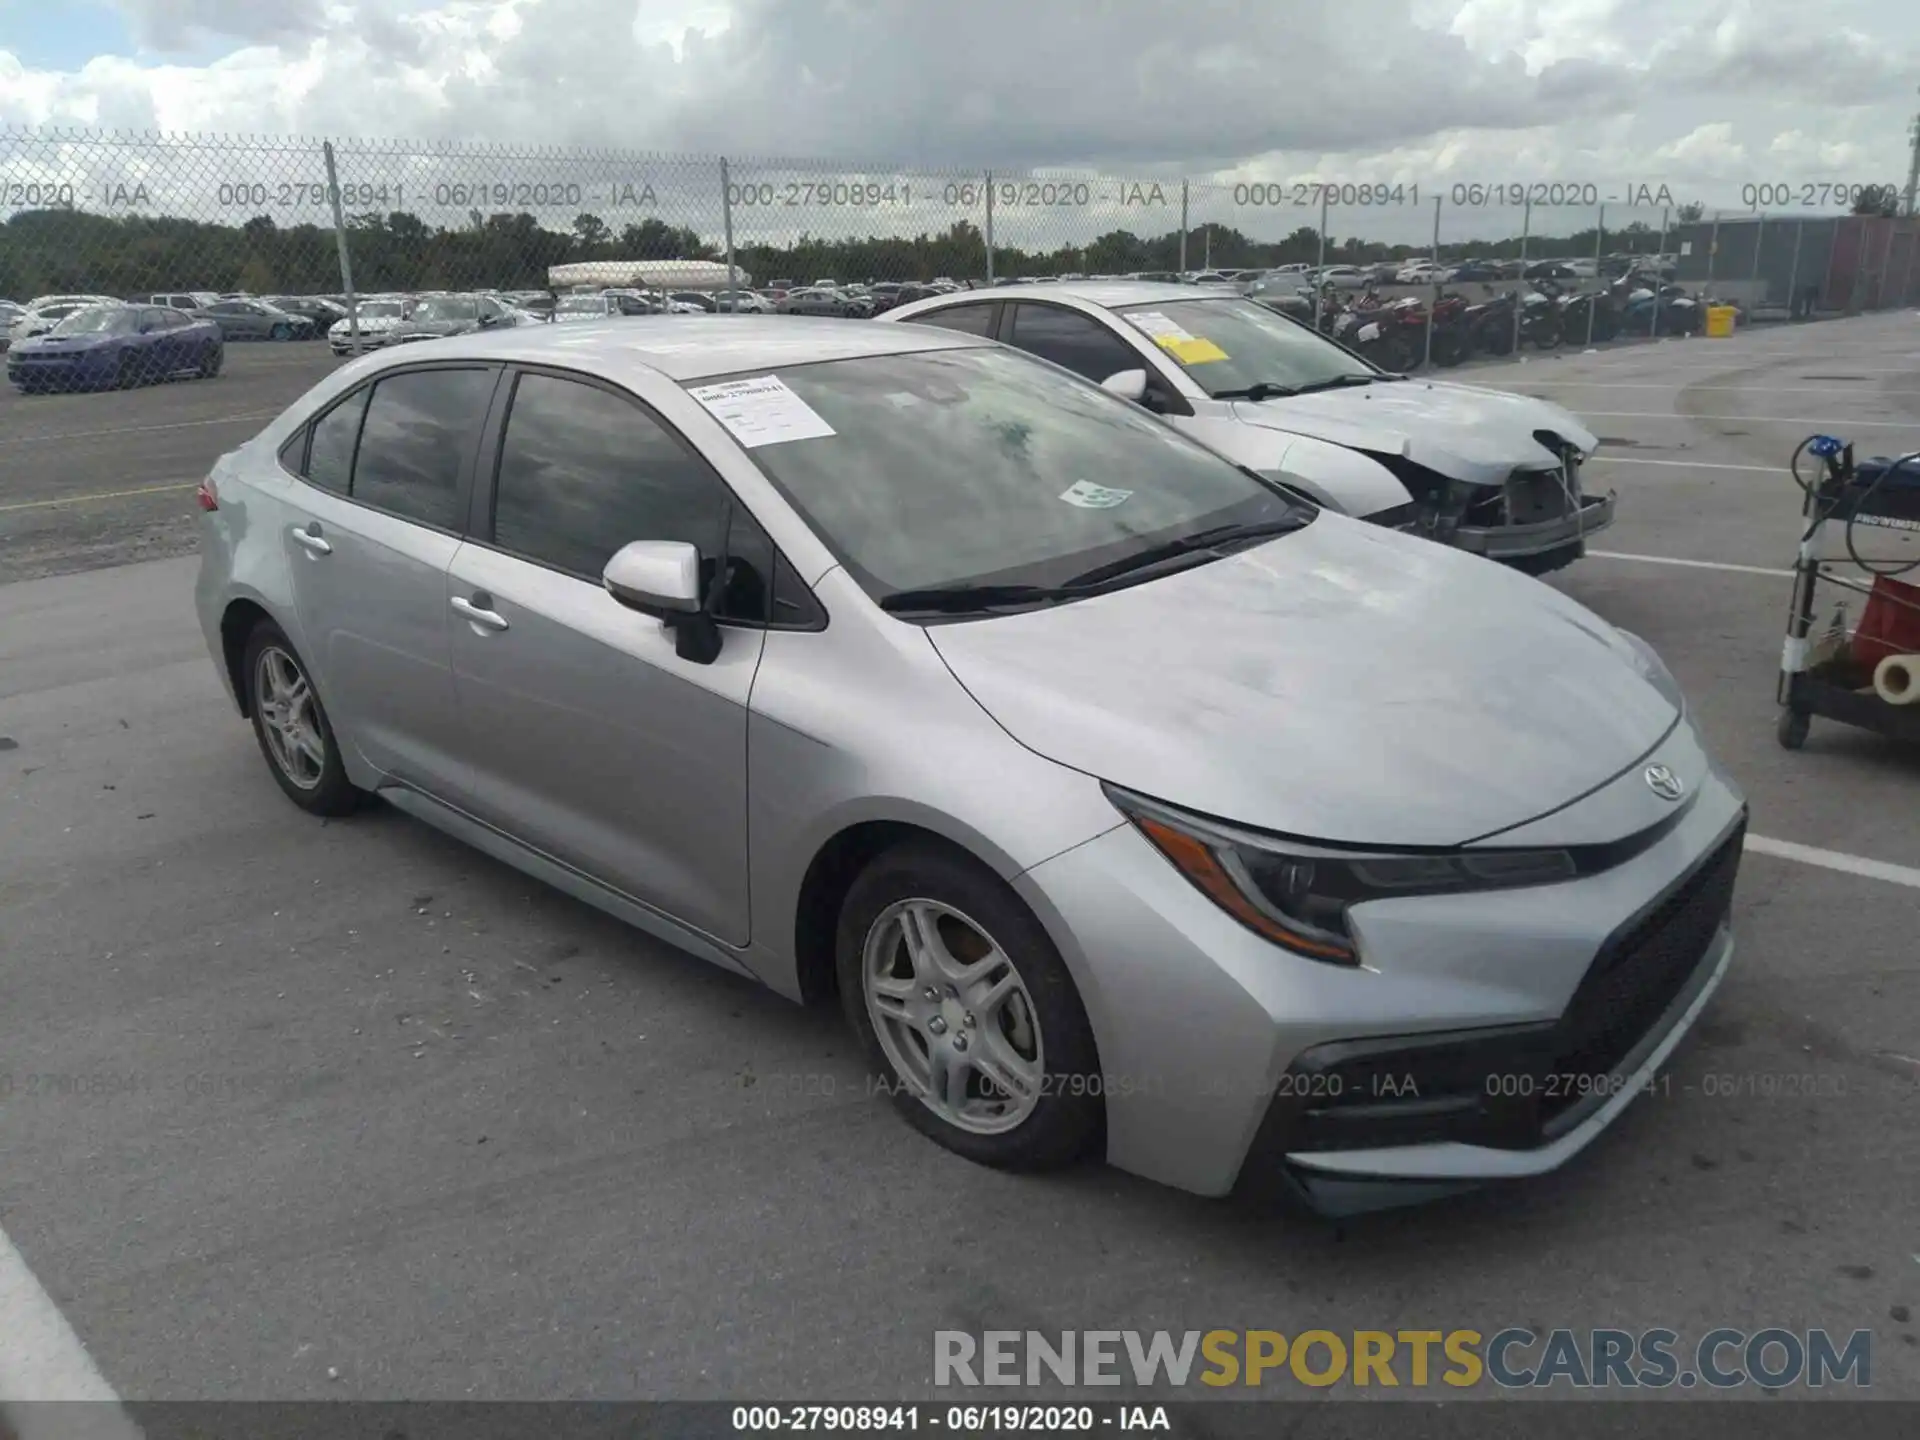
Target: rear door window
418, 431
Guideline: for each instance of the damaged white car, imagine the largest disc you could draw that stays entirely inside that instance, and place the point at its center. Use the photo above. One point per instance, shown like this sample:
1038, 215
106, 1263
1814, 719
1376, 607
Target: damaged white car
1482, 470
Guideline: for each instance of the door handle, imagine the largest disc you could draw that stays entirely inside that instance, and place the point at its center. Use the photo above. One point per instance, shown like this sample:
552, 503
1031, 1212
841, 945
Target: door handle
313, 539
476, 611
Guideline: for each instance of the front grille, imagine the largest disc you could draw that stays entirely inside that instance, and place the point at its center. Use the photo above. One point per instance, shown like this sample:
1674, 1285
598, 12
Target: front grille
1638, 973
1534, 496
1510, 1087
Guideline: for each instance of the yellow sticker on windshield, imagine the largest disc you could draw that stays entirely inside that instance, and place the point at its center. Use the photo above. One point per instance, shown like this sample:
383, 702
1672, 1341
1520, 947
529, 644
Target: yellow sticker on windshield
1192, 350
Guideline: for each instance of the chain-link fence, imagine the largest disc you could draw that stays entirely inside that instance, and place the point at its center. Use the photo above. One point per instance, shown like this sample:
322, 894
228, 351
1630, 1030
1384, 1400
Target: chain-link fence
285, 238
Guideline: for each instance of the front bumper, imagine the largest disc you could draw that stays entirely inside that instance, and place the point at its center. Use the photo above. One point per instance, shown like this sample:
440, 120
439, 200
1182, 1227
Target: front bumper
1519, 542
1209, 1036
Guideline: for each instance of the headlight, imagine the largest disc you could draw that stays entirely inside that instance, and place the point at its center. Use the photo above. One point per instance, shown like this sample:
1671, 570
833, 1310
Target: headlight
1297, 894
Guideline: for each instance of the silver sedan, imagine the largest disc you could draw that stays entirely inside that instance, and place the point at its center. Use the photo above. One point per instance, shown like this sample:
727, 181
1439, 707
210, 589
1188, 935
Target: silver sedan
1129, 803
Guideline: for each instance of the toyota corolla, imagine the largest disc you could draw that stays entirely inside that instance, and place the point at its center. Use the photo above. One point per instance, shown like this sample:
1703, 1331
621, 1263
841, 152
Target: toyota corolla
1130, 803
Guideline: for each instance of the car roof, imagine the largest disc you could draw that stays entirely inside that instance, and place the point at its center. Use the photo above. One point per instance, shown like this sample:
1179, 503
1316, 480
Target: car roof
1096, 292
692, 347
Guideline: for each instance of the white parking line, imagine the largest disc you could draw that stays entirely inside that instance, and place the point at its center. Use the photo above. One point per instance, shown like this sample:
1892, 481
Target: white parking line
1691, 564
141, 429
1685, 464
1731, 389
1835, 860
1840, 420
43, 1360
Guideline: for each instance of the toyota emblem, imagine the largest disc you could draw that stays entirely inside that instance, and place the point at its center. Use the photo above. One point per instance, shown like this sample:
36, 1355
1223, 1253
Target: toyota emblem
1664, 783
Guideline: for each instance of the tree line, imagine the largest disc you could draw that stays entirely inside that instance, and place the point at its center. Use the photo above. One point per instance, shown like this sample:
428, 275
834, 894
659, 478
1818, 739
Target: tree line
65, 251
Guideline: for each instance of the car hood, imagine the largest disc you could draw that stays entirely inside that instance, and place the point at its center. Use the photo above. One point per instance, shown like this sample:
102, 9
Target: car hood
92, 341
425, 328
1343, 683
1460, 431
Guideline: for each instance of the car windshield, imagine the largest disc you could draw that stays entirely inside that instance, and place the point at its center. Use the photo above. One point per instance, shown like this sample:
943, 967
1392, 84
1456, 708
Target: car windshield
976, 467
447, 308
1231, 346
99, 321
583, 305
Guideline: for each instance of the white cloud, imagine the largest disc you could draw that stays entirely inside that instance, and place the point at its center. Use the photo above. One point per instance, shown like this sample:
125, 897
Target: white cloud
1708, 95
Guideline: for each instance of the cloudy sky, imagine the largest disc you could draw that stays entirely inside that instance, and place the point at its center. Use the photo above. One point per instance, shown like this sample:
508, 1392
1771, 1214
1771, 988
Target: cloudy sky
1707, 96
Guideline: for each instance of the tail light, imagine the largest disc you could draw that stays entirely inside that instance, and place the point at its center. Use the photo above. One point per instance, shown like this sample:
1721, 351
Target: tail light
206, 496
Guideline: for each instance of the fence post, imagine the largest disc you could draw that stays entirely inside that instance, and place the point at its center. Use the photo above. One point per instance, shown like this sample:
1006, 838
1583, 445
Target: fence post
1759, 243
1526, 233
1320, 263
726, 219
1713, 252
340, 240
1793, 271
1906, 283
989, 227
1427, 358
1183, 229
1599, 241
1659, 276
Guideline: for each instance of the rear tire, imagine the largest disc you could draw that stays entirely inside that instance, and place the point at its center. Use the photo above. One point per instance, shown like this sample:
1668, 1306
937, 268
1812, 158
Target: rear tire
210, 362
913, 919
291, 726
127, 375
280, 332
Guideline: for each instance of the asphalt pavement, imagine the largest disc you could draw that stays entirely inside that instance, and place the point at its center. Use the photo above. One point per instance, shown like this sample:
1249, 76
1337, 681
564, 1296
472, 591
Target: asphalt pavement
293, 1109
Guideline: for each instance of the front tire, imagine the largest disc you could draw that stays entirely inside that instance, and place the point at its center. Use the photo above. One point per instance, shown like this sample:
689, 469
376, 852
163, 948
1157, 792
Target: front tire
280, 332
293, 730
967, 1012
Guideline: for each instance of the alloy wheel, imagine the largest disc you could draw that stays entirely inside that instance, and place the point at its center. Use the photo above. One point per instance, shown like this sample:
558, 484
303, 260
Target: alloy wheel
953, 1016
289, 718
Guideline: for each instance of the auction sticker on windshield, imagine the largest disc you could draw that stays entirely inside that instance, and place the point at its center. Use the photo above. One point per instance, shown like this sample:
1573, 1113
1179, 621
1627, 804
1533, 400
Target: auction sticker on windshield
1182, 344
761, 411
1089, 496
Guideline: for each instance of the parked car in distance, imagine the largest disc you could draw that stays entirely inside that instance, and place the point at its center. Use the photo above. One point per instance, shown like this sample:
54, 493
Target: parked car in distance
817, 300
1487, 471
575, 308
1549, 270
176, 299
855, 697
251, 319
1470, 271
323, 313
375, 321
116, 346
1344, 277
39, 315
436, 317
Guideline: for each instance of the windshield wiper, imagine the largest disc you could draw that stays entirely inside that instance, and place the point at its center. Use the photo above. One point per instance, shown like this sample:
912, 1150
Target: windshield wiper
1199, 542
1337, 382
1259, 390
962, 598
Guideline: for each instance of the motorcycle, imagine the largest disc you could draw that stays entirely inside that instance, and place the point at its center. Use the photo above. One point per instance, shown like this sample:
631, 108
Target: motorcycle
1585, 315
1650, 305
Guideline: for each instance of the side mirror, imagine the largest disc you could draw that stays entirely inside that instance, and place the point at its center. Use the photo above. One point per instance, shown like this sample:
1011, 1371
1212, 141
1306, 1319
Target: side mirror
661, 578
1128, 385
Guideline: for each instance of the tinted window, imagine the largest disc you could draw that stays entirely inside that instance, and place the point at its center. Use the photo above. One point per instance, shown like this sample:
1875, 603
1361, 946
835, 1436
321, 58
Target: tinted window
330, 461
968, 319
583, 472
749, 584
1079, 342
417, 431
156, 319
